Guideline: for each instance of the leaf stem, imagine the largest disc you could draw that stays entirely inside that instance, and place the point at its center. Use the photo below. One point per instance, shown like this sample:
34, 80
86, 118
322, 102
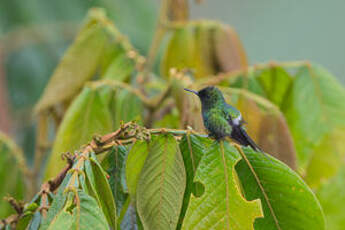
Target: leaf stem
157, 38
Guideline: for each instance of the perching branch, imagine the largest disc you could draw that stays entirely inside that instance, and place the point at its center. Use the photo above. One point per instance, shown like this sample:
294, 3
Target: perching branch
128, 133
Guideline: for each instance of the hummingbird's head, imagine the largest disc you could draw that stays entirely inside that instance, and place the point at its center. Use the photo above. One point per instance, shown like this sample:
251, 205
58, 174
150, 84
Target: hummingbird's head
209, 96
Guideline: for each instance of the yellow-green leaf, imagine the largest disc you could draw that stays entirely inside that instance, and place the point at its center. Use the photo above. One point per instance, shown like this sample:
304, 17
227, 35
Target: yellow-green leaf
287, 201
332, 198
88, 115
79, 64
221, 205
12, 165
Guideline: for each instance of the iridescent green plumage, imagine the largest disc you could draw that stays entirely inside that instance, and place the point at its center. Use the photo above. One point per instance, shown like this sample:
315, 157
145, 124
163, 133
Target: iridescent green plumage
221, 119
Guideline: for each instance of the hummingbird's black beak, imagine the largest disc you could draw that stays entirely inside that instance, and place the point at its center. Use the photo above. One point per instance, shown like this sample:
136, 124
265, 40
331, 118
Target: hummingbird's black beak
195, 92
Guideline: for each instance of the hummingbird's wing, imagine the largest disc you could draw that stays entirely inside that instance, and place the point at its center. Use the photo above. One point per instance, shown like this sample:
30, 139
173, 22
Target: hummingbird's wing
217, 125
238, 133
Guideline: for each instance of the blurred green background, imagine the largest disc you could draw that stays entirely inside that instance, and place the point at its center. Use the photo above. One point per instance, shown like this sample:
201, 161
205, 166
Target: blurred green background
35, 33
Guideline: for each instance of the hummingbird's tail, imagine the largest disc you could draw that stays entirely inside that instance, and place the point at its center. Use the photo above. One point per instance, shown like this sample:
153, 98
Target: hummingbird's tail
241, 136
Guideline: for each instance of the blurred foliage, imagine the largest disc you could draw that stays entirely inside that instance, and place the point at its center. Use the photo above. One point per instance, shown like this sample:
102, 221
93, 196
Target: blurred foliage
34, 35
11, 160
162, 178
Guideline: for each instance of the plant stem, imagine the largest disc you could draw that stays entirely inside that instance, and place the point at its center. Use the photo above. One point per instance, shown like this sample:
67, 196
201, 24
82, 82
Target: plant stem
157, 38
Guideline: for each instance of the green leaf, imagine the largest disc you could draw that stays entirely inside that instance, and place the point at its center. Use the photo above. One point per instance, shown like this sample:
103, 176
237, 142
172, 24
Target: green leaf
88, 115
327, 159
57, 205
221, 205
63, 221
120, 68
62, 215
27, 216
36, 221
114, 165
161, 184
12, 165
288, 203
307, 95
112, 50
89, 215
275, 83
101, 190
77, 66
24, 221
332, 198
179, 50
134, 164
316, 98
84, 214
131, 219
192, 148
127, 107
272, 83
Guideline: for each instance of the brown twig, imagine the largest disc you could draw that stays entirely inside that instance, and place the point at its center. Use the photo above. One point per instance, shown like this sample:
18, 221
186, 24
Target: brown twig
10, 220
41, 148
18, 206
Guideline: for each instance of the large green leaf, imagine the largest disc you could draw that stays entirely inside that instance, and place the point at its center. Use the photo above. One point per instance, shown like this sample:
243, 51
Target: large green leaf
11, 174
161, 184
311, 100
192, 148
288, 203
221, 205
316, 98
272, 83
77, 66
85, 214
327, 158
88, 115
332, 198
101, 190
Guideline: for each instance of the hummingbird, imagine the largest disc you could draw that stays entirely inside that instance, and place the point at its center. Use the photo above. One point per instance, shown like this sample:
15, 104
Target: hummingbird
221, 119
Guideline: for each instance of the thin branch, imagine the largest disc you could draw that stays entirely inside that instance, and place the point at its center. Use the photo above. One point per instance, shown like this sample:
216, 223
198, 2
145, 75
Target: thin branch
157, 38
151, 103
18, 206
118, 84
41, 146
128, 133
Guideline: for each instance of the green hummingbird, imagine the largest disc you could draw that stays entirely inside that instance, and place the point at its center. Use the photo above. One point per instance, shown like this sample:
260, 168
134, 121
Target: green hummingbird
221, 119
